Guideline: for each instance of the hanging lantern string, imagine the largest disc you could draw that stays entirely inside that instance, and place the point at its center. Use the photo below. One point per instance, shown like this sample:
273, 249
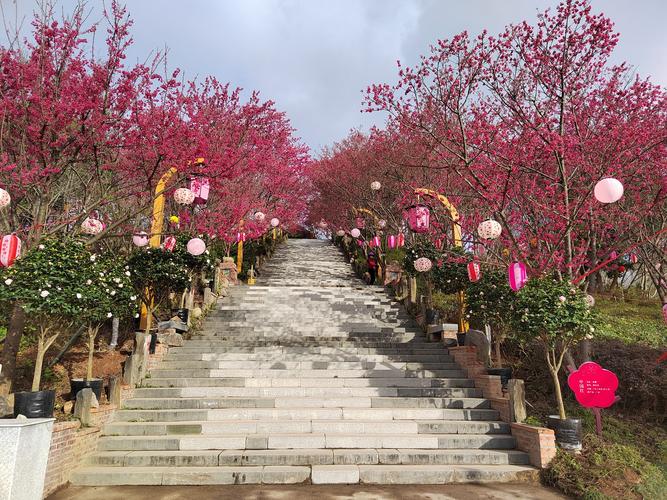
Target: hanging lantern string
600, 266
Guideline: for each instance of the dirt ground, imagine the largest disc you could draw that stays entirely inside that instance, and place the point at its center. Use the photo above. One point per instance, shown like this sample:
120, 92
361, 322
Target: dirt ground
308, 492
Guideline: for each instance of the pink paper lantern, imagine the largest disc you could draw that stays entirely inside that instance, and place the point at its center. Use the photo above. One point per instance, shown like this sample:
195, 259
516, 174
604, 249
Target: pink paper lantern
608, 190
200, 187
360, 222
196, 246
169, 243
183, 196
517, 275
400, 240
355, 233
275, 222
375, 186
474, 271
360, 243
489, 229
259, 216
633, 258
423, 264
5, 198
240, 236
377, 242
140, 239
664, 312
419, 218
92, 226
391, 241
10, 250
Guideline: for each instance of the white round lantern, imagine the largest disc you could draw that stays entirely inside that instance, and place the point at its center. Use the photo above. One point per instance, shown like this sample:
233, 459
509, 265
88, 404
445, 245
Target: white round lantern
382, 223
355, 233
183, 196
259, 216
489, 229
608, 190
92, 226
423, 264
5, 199
375, 186
196, 246
340, 233
140, 239
275, 222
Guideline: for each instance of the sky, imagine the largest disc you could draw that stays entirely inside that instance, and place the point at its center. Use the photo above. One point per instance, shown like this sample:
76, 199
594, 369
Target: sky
315, 57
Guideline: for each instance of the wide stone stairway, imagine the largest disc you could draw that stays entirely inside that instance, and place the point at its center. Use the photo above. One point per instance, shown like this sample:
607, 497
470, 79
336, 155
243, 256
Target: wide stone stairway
309, 376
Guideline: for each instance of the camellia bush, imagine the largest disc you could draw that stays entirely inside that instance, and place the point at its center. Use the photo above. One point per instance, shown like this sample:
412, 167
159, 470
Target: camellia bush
491, 301
49, 282
156, 273
555, 314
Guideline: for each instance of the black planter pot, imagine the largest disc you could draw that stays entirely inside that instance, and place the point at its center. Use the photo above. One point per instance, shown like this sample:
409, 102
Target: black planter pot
568, 432
461, 338
78, 384
504, 373
182, 313
38, 404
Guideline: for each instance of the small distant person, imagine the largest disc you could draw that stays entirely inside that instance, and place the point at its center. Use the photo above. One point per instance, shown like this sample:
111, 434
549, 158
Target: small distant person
372, 263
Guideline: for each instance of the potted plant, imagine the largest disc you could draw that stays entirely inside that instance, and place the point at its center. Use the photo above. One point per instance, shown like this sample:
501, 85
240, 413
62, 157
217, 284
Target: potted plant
46, 281
108, 292
491, 301
555, 314
155, 274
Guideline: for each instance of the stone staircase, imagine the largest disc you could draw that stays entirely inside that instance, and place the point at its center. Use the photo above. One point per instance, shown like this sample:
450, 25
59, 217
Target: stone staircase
310, 376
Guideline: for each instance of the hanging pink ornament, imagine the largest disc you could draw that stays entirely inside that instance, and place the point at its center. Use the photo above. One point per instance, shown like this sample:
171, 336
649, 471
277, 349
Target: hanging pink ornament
275, 222
200, 187
140, 239
10, 250
169, 243
196, 246
474, 271
423, 264
391, 241
360, 243
183, 196
664, 312
382, 223
240, 236
91, 226
489, 229
608, 190
419, 218
377, 242
355, 233
613, 255
517, 275
400, 240
340, 233
360, 222
375, 186
633, 258
259, 216
5, 198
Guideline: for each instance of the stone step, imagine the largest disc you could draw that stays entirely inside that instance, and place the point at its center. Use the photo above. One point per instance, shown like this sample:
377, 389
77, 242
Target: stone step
326, 358
315, 373
300, 413
428, 349
324, 401
317, 474
316, 392
209, 342
307, 457
305, 440
307, 365
297, 426
401, 382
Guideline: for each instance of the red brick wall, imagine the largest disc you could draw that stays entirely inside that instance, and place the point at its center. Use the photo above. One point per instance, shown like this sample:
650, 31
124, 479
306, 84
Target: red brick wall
538, 442
154, 359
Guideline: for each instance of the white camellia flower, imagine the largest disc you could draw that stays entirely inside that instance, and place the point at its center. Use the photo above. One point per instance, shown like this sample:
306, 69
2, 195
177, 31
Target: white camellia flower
8, 281
79, 296
120, 285
93, 257
134, 297
41, 247
89, 282
113, 292
109, 315
44, 293
127, 273
116, 280
136, 315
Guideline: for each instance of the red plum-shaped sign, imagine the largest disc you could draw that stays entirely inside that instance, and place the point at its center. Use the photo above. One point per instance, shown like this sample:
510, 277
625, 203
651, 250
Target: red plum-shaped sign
593, 386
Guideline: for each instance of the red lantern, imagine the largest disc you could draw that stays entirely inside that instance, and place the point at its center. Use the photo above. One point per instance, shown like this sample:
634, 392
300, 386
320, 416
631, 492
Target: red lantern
200, 186
419, 217
517, 275
360, 222
391, 241
400, 240
169, 243
371, 243
240, 237
474, 271
11, 250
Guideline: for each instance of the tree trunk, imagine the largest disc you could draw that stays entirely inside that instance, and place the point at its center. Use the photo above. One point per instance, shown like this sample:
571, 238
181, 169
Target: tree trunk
39, 361
91, 352
12, 342
557, 391
499, 358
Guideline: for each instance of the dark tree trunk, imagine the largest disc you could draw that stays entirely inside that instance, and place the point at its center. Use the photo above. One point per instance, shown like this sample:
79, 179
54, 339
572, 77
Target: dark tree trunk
10, 347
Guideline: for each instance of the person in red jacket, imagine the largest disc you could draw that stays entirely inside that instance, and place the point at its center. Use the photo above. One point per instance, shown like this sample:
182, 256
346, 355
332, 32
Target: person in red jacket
372, 263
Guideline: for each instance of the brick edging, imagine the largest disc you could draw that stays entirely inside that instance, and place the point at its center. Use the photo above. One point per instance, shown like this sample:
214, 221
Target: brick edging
538, 442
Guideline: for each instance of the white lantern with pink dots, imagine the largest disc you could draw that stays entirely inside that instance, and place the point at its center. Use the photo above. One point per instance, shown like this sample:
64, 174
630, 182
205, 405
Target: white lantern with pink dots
423, 264
140, 239
184, 196
92, 226
259, 216
489, 229
5, 199
275, 222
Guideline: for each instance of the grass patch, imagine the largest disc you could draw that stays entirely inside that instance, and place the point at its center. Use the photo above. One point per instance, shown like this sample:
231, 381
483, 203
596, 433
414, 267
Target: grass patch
631, 322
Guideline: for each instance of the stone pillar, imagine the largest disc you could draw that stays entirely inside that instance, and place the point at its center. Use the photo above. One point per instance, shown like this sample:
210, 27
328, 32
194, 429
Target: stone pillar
135, 366
413, 290
24, 452
517, 395
114, 332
